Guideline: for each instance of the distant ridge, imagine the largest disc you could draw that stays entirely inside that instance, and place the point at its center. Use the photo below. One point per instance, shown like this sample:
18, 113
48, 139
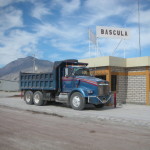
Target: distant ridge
11, 70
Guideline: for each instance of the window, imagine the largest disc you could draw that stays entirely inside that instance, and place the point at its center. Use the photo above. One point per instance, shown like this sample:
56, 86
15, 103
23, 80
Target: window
81, 72
102, 77
113, 82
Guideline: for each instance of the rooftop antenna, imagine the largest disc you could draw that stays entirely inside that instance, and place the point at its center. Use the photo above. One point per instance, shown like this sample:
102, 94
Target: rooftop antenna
89, 43
139, 26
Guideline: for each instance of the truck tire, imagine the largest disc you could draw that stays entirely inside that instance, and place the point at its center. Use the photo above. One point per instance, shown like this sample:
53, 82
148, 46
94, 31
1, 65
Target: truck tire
28, 97
38, 98
77, 101
99, 106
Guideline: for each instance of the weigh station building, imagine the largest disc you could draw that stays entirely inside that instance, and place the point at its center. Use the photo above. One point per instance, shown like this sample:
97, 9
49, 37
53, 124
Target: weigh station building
128, 77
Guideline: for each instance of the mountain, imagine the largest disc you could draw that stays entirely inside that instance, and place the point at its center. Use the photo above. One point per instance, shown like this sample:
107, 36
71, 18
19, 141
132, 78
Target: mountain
11, 71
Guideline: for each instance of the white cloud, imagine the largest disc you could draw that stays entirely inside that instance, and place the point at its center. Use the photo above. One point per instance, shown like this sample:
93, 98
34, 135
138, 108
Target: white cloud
55, 56
64, 46
40, 10
144, 28
67, 35
68, 7
98, 11
10, 17
17, 44
4, 3
144, 17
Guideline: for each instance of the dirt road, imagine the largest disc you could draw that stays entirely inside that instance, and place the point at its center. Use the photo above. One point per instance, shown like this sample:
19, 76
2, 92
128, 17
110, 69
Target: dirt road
56, 127
27, 130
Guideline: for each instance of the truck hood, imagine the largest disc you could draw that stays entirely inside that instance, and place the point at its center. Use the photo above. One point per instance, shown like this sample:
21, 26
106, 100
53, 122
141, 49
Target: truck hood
91, 79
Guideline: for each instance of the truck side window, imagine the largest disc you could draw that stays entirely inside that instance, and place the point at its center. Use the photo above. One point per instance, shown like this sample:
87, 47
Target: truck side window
68, 71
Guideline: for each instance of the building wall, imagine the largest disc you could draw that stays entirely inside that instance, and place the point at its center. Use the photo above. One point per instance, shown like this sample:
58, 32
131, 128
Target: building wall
118, 69
136, 69
131, 84
136, 86
121, 84
136, 89
121, 89
9, 85
131, 88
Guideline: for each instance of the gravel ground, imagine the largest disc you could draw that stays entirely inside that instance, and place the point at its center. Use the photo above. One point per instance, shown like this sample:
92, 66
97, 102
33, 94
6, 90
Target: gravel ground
56, 127
127, 114
26, 130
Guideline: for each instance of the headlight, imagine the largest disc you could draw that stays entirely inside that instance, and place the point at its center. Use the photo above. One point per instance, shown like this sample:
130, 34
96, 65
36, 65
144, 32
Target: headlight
90, 91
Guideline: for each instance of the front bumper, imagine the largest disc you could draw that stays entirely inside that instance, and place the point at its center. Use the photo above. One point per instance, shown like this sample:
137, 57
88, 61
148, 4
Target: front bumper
99, 99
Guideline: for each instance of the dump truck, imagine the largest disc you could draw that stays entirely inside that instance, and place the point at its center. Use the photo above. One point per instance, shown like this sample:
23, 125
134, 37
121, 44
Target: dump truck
70, 82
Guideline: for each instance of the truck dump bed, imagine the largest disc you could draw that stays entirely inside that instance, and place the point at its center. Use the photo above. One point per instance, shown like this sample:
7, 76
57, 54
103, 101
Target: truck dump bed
37, 81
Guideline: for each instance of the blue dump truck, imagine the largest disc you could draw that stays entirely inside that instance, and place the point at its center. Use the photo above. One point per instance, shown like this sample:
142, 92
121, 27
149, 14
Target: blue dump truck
70, 82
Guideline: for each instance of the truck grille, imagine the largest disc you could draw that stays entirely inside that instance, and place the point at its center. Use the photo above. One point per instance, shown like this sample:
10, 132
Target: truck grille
103, 90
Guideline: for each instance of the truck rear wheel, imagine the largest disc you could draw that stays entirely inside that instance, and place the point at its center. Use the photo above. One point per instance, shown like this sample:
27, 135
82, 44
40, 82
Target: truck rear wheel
38, 98
28, 97
77, 101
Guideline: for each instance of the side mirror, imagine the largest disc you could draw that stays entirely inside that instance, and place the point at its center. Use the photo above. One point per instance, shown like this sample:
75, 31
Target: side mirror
66, 72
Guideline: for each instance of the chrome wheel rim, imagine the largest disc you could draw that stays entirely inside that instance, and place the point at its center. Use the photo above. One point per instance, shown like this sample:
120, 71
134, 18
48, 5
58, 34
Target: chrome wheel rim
28, 98
36, 98
76, 101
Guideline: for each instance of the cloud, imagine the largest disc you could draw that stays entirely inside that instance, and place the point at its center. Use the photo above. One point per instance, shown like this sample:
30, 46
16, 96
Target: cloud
61, 36
98, 12
17, 44
40, 10
65, 32
68, 7
144, 28
10, 17
144, 17
4, 3
64, 46
55, 56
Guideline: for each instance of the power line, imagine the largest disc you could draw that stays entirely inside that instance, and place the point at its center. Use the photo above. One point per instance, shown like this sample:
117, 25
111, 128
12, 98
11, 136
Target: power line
116, 47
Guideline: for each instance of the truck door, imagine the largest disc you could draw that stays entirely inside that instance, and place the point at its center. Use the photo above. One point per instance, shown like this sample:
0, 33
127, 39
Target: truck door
68, 80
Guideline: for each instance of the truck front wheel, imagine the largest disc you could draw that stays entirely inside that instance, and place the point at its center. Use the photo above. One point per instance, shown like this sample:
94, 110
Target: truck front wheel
38, 98
77, 101
28, 97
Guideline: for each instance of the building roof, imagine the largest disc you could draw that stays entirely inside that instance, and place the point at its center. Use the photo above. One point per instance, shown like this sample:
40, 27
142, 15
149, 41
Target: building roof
117, 61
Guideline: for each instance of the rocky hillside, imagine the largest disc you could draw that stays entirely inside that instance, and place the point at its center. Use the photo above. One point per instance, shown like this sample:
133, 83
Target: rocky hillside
11, 70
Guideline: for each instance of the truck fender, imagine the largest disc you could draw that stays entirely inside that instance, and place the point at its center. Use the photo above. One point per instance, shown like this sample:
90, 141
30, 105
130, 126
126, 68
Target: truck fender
81, 90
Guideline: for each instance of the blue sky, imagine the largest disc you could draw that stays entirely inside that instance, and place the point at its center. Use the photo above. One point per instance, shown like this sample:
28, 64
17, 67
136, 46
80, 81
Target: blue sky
58, 29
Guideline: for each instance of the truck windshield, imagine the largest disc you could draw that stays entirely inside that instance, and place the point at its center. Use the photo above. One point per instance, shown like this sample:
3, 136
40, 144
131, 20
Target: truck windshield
81, 72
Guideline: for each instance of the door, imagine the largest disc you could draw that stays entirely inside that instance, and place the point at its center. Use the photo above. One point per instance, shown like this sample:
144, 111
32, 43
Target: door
68, 81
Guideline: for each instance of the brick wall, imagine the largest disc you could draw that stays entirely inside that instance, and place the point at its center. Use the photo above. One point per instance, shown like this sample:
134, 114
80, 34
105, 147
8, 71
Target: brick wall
136, 89
121, 89
131, 89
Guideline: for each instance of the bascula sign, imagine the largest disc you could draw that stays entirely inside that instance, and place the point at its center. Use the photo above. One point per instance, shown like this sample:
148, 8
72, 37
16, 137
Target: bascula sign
111, 32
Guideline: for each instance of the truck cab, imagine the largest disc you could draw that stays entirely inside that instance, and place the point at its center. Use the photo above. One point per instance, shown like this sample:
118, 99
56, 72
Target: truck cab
80, 87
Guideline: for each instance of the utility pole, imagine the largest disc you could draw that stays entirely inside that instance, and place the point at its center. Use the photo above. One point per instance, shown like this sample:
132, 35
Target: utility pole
34, 63
139, 26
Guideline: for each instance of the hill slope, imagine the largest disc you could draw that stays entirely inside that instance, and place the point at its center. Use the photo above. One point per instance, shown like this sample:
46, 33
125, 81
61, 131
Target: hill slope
11, 70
